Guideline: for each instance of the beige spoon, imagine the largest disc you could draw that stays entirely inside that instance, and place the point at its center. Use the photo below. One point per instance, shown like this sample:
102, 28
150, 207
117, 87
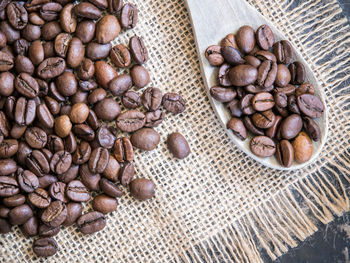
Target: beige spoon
212, 20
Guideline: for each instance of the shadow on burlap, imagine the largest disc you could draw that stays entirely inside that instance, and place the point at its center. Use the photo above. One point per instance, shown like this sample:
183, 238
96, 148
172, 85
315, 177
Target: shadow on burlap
219, 205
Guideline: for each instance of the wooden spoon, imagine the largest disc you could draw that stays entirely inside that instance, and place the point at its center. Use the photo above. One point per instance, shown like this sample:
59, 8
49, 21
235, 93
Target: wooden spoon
212, 20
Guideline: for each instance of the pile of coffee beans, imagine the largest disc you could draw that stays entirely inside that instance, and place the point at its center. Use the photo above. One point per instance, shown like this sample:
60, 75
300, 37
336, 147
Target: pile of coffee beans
60, 116
266, 94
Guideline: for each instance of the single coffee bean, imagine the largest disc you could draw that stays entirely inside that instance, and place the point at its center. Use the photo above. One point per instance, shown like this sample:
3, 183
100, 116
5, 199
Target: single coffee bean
253, 61
152, 99
310, 105
312, 129
61, 162
245, 38
23, 151
101, 4
140, 76
131, 100
130, 121
25, 111
303, 147
51, 68
45, 247
104, 73
37, 163
246, 104
145, 139
271, 132
262, 146
48, 231
31, 32
243, 75
263, 101
105, 137
46, 180
74, 211
17, 15
36, 52
123, 150
44, 116
263, 55
109, 188
8, 186
138, 50
98, 160
79, 113
8, 148
178, 145
283, 51
265, 37
112, 170
297, 71
47, 153
30, 228
11, 34
97, 95
292, 104
20, 46
86, 69
126, 174
237, 127
7, 81
77, 192
84, 132
264, 119
50, 30
267, 73
285, 153
121, 84
63, 126
27, 181
173, 103
128, 16
20, 214
50, 11
55, 94
142, 188
55, 214
229, 41
68, 19
76, 52
283, 76
35, 5
291, 126
70, 175
57, 191
305, 88
36, 137
223, 75
223, 94
13, 201
234, 108
154, 118
26, 85
91, 222
61, 45
89, 179
251, 127
4, 212
85, 31
4, 125
17, 131
87, 10
39, 198
114, 6
24, 64
35, 19
96, 51
108, 28
104, 204
281, 99
82, 154
232, 55
79, 97
120, 56
87, 85
107, 109
52, 105
67, 84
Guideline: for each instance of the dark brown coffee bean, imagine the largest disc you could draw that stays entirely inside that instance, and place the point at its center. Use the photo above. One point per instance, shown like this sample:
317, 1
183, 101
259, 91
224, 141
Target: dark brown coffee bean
223, 94
152, 99
70, 143
50, 11
13, 201
107, 109
223, 75
229, 41
80, 97
264, 119
17, 15
51, 68
97, 95
74, 211
312, 129
142, 188
297, 71
67, 84
140, 76
281, 99
234, 108
17, 131
61, 162
82, 154
245, 38
110, 188
108, 28
267, 73
105, 137
9, 107
145, 139
30, 228
243, 75
114, 6
283, 76
26, 85
24, 64
87, 10
35, 5
154, 118
131, 100
46, 180
44, 116
52, 105
129, 16
35, 19
76, 191
50, 30
11, 34
6, 83
232, 55
31, 32
86, 69
98, 160
55, 214
37, 163
271, 132
126, 174
131, 120
8, 148
263, 101
91, 222
285, 153
70, 175
138, 50
75, 53
121, 84
84, 132
120, 56
54, 93
112, 170
23, 151
265, 37
253, 61
57, 191
262, 146
303, 148
123, 150
283, 51
246, 104
27, 181
251, 127
8, 186
292, 104
4, 212
216, 58
4, 125
48, 231
39, 198
173, 103
45, 247
305, 88
104, 73
178, 145
20, 46
6, 61
265, 55
62, 42
291, 126
85, 32
89, 179
68, 19
237, 127
310, 105
104, 204
79, 113
25, 111
20, 214
36, 52
36, 137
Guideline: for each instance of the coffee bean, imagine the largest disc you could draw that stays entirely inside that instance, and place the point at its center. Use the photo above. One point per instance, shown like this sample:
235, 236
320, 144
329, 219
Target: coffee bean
50, 30
8, 186
105, 137
271, 132
234, 108
265, 37
285, 153
283, 51
17, 15
36, 137
44, 116
37, 163
173, 103
178, 145
108, 28
223, 94
50, 11
21, 46
87, 85
48, 231
267, 73
310, 105
152, 99
281, 99
39, 198
55, 214
51, 68
98, 160
154, 118
27, 181
107, 109
264, 119
245, 38
104, 73
223, 75
229, 41
75, 53
30, 228
67, 84
305, 88
31, 32
96, 51
123, 150
68, 19
237, 127
79, 113
145, 139
84, 132
17, 131
130, 121
140, 76
128, 16
82, 154
142, 188
63, 126
8, 148
126, 173
87, 10
104, 204
89, 179
52, 105
6, 83
24, 64
312, 129
283, 76
246, 104
110, 188
26, 85
61, 162
85, 31
292, 104
303, 148
262, 146
86, 69
91, 222
121, 84
131, 100
243, 75
232, 55
13, 201
297, 71
20, 214
74, 211
138, 50
77, 192
291, 126
57, 191
11, 34
61, 45
70, 175
4, 211
35, 19
4, 124
112, 170
263, 101
45, 247
253, 61
120, 56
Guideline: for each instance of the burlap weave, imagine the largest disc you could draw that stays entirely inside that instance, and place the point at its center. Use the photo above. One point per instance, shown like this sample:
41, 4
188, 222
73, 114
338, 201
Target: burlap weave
219, 205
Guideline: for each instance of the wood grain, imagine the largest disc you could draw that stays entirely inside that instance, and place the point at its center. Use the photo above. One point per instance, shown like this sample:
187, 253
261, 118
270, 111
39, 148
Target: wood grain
212, 20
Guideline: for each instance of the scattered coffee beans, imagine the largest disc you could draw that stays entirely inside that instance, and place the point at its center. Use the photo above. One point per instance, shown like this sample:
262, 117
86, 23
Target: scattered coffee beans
266, 94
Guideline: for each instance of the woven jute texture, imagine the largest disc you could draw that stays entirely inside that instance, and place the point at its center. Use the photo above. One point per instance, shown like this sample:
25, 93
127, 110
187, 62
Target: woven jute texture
219, 205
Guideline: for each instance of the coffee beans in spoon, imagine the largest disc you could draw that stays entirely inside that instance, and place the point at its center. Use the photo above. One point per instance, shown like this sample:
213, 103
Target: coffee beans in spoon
267, 94
64, 109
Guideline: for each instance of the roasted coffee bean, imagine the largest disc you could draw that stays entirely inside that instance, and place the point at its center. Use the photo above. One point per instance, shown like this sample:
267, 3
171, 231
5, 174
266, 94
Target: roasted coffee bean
243, 75
27, 181
86, 69
70, 175
13, 201
267, 73
281, 99
114, 5
61, 162
223, 94
76, 191
7, 81
303, 148
263, 101
97, 95
70, 143
79, 113
74, 211
4, 124
85, 31
216, 58
39, 198
107, 109
17, 15
62, 42
54, 93
232, 55
68, 19
50, 30
178, 145
121, 84
104, 73
253, 61
312, 129
45, 247
25, 111
131, 120
51, 68
123, 150
246, 104
305, 88
120, 56
35, 5
63, 126
37, 163
131, 100
35, 19
142, 188
96, 51
283, 51
264, 119
4, 212
223, 75
138, 50
75, 53
23, 151
53, 105
50, 11
11, 34
108, 27
48, 231
87, 10
128, 16
44, 116
126, 174
152, 99
17, 131
112, 170
110, 188
105, 137
31, 32
234, 108
265, 37
57, 191
26, 85
36, 137
265, 55
310, 105
245, 38
21, 46
271, 132
8, 185
24, 64
36, 52
84, 132
20, 214
87, 85
140, 76
291, 126
8, 148
292, 104
145, 139
285, 153
98, 160
297, 71
104, 204
55, 214
67, 84
82, 154
102, 4
173, 103
91, 222
30, 228
89, 179
229, 41
283, 76
262, 146
154, 118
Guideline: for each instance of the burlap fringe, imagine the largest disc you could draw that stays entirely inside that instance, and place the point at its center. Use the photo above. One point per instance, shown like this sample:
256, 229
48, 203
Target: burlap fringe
293, 214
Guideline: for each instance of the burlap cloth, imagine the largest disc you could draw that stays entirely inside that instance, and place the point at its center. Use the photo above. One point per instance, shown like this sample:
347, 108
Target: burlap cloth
219, 205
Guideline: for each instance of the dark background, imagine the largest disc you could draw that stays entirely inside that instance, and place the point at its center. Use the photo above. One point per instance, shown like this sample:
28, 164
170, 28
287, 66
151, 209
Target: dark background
331, 244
